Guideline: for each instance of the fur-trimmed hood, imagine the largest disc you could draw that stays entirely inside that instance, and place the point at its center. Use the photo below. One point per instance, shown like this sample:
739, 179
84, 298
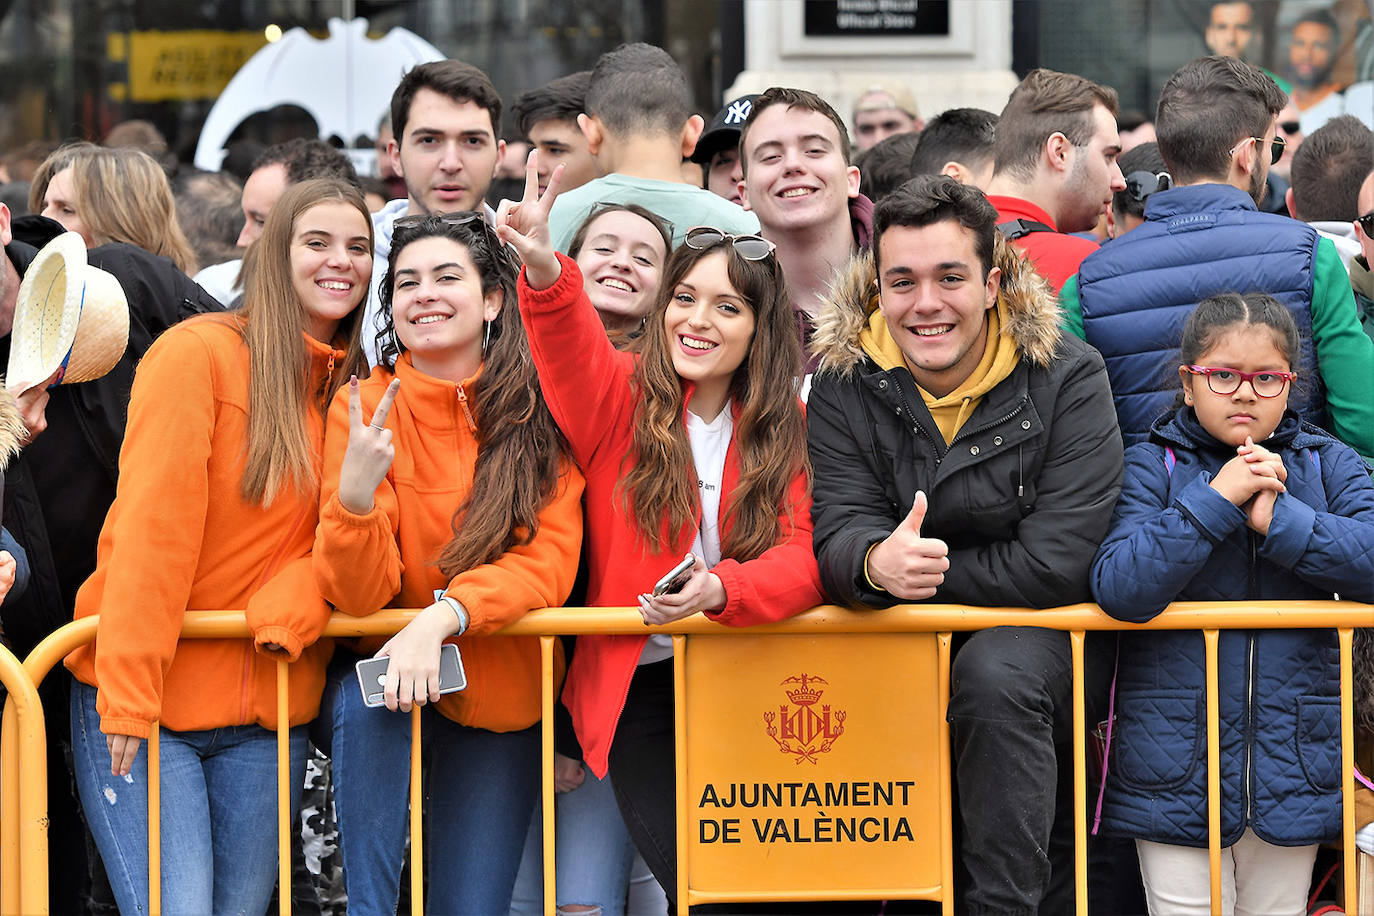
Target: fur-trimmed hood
13, 432
1032, 311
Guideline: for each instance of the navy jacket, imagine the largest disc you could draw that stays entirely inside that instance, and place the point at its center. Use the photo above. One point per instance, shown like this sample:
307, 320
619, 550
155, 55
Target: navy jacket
1136, 293
1174, 537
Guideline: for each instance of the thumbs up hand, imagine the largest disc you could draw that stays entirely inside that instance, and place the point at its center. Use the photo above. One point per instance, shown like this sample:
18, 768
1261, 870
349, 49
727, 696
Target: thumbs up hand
905, 564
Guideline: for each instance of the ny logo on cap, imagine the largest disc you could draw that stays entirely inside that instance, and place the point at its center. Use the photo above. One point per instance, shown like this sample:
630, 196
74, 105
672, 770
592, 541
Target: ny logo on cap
738, 112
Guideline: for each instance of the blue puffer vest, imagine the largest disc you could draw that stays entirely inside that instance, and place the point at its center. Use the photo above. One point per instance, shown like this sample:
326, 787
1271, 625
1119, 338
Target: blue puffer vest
1174, 537
1196, 241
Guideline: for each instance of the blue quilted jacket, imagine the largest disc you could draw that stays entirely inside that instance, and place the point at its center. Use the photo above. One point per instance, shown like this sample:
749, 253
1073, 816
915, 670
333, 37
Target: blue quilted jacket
1174, 537
1197, 241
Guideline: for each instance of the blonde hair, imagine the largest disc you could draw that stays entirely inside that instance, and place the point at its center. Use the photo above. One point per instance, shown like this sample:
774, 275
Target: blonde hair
122, 195
272, 324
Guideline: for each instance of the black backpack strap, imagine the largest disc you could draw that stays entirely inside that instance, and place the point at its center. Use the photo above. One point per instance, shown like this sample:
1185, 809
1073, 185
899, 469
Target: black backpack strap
1017, 228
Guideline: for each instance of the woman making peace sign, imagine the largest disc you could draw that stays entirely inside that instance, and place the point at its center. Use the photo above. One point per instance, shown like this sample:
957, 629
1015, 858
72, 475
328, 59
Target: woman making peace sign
696, 442
445, 488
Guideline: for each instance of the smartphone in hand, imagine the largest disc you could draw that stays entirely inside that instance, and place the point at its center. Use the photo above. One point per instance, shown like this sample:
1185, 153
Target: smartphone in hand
676, 577
372, 675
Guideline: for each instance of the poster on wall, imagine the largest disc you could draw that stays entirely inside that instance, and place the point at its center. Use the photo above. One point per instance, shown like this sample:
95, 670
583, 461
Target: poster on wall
1321, 54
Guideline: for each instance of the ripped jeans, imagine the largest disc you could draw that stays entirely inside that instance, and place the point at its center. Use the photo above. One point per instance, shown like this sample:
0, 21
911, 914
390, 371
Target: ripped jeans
218, 819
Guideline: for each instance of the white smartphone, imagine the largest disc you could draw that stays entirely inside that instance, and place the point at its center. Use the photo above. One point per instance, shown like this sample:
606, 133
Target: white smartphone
676, 577
372, 675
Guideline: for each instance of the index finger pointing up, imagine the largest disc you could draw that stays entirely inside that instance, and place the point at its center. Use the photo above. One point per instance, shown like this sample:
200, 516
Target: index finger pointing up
531, 178
355, 404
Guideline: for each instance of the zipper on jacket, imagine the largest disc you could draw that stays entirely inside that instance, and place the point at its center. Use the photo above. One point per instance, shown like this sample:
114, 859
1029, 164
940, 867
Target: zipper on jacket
1250, 688
940, 448
1020, 405
467, 412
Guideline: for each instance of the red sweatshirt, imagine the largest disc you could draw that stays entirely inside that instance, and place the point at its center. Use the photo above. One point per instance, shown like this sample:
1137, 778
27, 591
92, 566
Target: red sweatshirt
587, 384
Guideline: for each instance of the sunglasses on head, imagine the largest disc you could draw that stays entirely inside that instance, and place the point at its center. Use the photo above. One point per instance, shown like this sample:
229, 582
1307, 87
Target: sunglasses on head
1276, 146
459, 218
1141, 184
749, 247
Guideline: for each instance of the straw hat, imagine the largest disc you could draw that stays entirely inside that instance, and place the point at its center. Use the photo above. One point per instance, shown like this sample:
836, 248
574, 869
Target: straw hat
69, 314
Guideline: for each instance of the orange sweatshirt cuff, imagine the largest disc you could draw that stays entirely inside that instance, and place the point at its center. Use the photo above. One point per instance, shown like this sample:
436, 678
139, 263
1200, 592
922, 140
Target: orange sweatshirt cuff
338, 511
281, 636
120, 725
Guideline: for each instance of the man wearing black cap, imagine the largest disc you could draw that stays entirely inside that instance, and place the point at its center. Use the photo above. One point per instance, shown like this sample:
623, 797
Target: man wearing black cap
718, 149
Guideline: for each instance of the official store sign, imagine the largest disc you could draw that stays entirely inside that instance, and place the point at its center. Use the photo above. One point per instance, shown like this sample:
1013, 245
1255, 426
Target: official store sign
813, 764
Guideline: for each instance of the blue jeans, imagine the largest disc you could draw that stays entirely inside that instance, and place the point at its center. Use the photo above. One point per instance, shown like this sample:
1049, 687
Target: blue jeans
592, 857
218, 817
480, 792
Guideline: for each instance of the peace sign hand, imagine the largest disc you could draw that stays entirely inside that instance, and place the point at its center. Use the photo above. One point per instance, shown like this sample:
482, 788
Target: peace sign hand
525, 226
369, 452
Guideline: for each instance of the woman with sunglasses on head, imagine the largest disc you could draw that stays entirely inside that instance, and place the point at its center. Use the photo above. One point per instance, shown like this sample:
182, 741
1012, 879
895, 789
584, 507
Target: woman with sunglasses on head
693, 445
216, 508
445, 488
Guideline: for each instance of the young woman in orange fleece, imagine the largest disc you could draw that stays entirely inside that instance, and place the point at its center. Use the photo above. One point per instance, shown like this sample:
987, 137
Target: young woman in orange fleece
445, 489
216, 509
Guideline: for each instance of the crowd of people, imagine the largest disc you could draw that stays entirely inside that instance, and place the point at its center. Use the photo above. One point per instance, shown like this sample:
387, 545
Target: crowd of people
990, 359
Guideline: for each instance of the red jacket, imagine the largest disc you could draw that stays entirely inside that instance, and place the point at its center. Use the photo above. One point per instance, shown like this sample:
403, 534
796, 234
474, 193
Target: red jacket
587, 384
1056, 255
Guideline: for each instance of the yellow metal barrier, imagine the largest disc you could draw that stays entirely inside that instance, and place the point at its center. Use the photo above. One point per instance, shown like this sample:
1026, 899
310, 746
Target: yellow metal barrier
23, 794
23, 838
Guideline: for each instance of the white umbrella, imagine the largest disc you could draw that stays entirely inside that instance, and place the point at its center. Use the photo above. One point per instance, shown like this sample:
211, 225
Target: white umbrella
345, 83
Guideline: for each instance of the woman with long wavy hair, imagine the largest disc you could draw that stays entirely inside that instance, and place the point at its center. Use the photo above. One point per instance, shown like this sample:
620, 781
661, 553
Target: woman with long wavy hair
112, 195
216, 508
446, 488
694, 444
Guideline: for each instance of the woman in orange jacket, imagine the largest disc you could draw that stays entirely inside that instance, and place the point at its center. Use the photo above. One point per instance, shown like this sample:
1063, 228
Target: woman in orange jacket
445, 489
216, 509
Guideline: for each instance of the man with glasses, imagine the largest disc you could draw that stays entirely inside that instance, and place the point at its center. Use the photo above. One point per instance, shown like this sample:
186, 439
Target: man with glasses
1054, 168
1216, 124
964, 450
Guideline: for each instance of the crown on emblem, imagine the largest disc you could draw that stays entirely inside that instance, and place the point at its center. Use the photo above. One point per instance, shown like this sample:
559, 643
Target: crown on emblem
805, 694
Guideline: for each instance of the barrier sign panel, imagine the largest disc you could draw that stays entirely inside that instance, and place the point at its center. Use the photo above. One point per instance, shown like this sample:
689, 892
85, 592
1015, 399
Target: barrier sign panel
813, 763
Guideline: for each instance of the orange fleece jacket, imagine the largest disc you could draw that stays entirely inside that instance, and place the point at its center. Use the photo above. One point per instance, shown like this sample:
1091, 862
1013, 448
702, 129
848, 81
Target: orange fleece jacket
387, 557
180, 536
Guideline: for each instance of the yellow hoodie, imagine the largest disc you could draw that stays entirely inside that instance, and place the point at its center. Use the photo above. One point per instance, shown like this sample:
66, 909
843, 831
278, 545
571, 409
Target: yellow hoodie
953, 410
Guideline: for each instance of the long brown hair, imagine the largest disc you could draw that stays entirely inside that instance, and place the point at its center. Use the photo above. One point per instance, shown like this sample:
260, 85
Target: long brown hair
769, 433
272, 324
520, 455
122, 195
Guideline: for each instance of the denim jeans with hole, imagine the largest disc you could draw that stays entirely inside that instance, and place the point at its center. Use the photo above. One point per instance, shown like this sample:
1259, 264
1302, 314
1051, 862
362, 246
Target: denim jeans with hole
592, 856
480, 792
218, 817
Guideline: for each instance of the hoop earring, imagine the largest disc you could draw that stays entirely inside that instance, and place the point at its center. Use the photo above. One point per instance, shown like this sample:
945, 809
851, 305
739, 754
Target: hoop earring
486, 335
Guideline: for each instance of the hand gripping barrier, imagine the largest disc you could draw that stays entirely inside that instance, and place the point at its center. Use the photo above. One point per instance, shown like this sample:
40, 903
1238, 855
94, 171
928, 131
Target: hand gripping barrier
23, 791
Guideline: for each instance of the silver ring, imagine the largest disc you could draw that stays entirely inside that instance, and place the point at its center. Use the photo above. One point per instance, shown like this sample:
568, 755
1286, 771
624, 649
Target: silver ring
376, 427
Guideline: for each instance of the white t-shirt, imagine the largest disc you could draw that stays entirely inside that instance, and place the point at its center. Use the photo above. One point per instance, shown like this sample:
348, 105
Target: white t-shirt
710, 441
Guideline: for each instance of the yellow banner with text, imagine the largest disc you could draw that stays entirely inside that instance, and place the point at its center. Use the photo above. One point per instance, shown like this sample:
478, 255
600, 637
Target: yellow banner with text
814, 765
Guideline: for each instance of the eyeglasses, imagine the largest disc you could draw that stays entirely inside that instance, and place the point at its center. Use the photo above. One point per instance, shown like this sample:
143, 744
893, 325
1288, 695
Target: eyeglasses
1276, 146
1367, 223
1290, 127
1140, 185
749, 247
435, 221
1267, 384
